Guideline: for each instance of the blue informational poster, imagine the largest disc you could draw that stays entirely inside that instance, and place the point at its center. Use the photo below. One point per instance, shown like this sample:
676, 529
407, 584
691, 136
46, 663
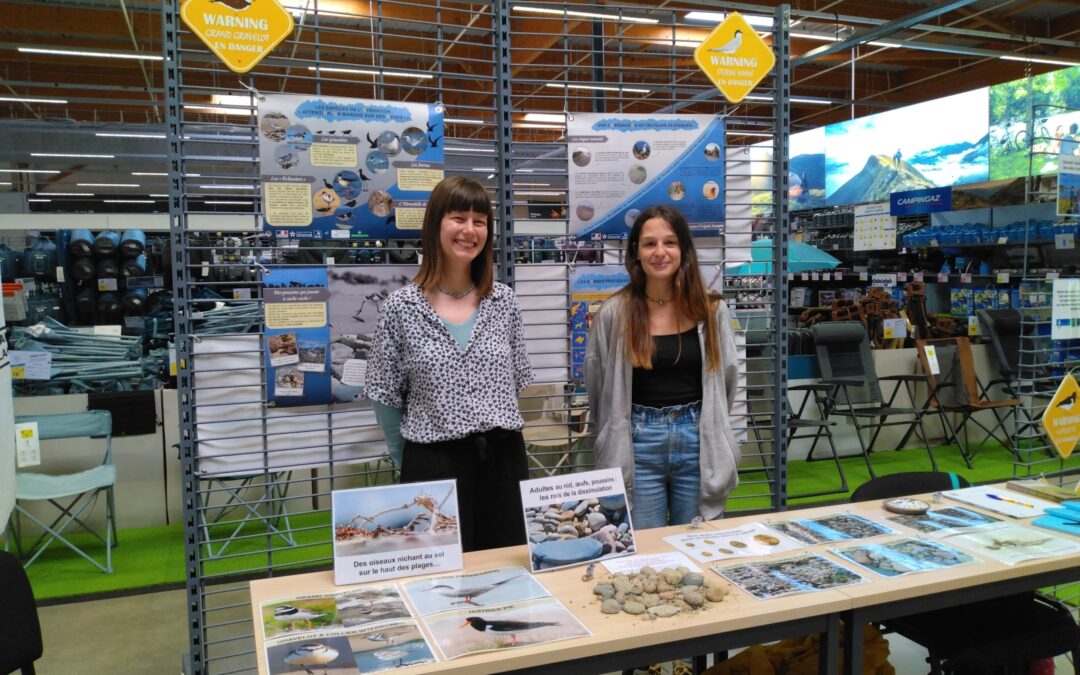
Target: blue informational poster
912, 202
621, 163
297, 336
590, 285
348, 168
1068, 197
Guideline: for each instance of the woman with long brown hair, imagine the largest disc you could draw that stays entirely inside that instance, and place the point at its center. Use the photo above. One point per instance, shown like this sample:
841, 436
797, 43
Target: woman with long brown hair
661, 372
447, 363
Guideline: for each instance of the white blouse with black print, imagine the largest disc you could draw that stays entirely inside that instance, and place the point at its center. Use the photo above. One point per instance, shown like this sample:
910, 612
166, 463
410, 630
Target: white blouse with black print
448, 393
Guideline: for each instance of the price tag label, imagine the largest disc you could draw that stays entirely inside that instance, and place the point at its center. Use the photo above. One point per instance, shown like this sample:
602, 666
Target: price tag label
1003, 240
339, 234
965, 277
901, 276
815, 276
791, 276
1050, 276
918, 276
1003, 277
931, 359
884, 280
894, 328
973, 325
18, 372
27, 445
106, 284
329, 260
241, 294
864, 276
59, 274
1065, 241
838, 276
943, 277
933, 242
804, 276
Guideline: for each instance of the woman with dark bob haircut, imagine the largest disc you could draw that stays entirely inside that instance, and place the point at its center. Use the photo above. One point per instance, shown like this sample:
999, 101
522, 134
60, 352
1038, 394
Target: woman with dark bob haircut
661, 371
447, 363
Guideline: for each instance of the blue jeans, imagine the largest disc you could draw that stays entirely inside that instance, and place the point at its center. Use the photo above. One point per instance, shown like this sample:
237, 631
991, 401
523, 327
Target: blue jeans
667, 465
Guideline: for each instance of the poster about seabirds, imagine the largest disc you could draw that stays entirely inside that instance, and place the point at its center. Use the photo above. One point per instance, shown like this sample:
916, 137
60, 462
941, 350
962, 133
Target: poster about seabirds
590, 285
348, 168
621, 163
297, 336
393, 531
492, 609
356, 296
576, 518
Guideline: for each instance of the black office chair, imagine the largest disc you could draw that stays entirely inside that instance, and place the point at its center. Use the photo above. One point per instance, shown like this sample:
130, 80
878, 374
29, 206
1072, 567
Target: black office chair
1000, 635
20, 631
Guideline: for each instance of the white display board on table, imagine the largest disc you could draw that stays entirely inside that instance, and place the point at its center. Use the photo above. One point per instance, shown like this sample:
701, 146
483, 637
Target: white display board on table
875, 229
621, 163
348, 168
1065, 310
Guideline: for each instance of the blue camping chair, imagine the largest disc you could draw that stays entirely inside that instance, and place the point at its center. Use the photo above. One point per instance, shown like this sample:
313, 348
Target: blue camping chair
72, 493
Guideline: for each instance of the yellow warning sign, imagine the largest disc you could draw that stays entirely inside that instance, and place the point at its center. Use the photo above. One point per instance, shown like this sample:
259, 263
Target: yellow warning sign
1061, 419
239, 32
734, 57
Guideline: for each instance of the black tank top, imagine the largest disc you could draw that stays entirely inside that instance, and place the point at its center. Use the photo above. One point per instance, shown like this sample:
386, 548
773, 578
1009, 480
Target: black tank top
675, 377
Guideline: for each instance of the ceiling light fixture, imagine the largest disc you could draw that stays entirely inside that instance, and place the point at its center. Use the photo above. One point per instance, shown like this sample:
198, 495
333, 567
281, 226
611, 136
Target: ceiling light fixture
546, 11
717, 17
229, 187
39, 200
815, 36
66, 194
212, 201
794, 99
463, 120
73, 155
362, 71
597, 87
453, 148
760, 134
128, 201
559, 118
110, 134
107, 184
29, 171
91, 54
158, 195
1039, 59
27, 99
537, 125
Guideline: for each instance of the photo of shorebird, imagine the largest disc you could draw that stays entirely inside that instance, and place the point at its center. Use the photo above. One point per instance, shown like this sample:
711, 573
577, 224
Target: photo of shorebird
406, 647
476, 589
311, 656
292, 616
370, 605
518, 624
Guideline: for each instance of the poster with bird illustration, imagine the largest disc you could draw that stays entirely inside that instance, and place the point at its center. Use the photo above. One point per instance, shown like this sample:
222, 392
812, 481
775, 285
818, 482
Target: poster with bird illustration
345, 168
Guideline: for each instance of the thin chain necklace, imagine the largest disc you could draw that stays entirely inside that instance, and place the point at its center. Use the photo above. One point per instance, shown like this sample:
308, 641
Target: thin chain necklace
456, 294
659, 302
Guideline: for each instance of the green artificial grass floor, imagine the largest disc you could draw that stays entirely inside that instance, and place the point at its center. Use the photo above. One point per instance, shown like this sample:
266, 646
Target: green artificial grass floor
154, 556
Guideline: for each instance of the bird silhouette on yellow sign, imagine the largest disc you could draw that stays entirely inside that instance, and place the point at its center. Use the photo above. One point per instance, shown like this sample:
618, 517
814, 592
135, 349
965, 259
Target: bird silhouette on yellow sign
1061, 419
734, 58
239, 32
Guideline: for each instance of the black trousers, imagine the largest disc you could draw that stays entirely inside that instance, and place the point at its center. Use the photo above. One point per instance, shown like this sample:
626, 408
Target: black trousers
488, 467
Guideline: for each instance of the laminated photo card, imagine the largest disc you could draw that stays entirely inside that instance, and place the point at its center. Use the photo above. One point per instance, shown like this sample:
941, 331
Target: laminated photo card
392, 531
830, 528
576, 518
502, 608
752, 539
903, 556
1010, 544
799, 574
942, 522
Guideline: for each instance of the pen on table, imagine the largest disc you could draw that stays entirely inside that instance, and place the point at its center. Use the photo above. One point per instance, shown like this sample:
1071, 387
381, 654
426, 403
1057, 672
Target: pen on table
999, 498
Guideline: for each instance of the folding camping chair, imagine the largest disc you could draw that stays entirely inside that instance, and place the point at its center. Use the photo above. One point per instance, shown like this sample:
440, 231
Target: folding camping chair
259, 498
843, 350
801, 426
70, 493
550, 438
955, 388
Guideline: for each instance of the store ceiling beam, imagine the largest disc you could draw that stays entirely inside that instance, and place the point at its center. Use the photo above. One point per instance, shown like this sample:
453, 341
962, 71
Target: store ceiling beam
884, 30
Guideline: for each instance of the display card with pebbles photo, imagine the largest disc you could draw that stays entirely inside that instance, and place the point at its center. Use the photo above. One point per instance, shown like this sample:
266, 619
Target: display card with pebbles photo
576, 518
749, 540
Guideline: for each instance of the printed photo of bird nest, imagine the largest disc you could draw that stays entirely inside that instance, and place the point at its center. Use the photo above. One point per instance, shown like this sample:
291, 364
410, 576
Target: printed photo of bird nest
577, 531
394, 518
522, 624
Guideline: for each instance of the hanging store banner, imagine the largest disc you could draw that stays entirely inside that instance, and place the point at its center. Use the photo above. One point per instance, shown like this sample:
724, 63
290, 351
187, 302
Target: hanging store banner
346, 168
734, 58
1068, 197
297, 341
621, 163
239, 32
912, 202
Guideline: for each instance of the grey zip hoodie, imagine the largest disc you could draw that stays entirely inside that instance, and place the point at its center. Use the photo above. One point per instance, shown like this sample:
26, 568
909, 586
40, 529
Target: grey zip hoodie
609, 377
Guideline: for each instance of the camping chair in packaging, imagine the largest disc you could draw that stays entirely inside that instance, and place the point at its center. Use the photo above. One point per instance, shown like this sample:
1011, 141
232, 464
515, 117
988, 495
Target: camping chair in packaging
843, 351
998, 635
954, 388
72, 494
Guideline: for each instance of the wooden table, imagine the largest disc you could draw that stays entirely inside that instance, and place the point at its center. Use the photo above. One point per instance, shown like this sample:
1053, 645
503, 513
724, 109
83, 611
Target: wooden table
623, 641
618, 641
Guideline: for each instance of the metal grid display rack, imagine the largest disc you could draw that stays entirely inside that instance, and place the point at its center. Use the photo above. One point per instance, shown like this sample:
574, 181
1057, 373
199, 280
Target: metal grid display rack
488, 65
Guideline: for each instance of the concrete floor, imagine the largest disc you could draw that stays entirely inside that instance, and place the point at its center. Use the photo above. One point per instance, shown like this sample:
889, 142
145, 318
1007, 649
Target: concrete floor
147, 633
